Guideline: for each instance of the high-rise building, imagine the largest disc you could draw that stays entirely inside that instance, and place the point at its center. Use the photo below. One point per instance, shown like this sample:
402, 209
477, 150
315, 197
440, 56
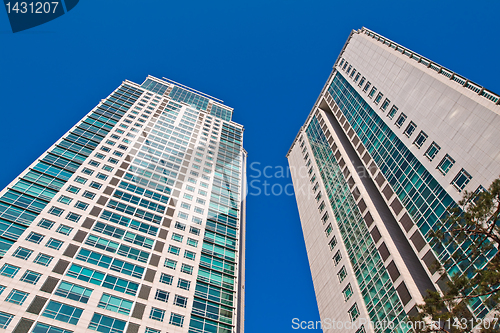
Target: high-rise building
133, 221
391, 142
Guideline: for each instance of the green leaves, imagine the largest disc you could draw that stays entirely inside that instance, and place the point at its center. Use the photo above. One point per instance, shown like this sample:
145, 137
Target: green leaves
473, 227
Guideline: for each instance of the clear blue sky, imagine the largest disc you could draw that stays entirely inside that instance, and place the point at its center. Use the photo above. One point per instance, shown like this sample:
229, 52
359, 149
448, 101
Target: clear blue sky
267, 59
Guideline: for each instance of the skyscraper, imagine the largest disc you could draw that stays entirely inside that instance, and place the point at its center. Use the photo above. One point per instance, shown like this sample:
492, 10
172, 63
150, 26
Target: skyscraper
133, 221
391, 142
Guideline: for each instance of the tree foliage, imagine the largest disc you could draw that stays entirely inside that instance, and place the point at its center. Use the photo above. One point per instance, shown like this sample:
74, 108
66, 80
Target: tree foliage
473, 226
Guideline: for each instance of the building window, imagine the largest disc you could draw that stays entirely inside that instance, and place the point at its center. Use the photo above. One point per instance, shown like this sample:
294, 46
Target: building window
419, 141
56, 211
176, 319
177, 237
157, 314
95, 185
180, 301
401, 120
432, 151
352, 73
363, 79
325, 217
101, 176
88, 195
385, 105
194, 231
354, 312
81, 205
64, 200
183, 284
345, 65
347, 292
73, 189
393, 112
348, 69
44, 328
31, 277
103, 323
80, 180
46, 224
367, 86
9, 270
87, 171
22, 253
169, 263
151, 330
65, 313
321, 206
43, 259
187, 269
167, 279
378, 98
315, 187
180, 226
318, 196
410, 129
332, 243
337, 257
5, 319
372, 92
115, 304
189, 255
64, 229
73, 292
328, 230
445, 165
162, 295
192, 242
357, 77
17, 297
461, 180
54, 244
361, 329
34, 237
342, 274
73, 217
174, 250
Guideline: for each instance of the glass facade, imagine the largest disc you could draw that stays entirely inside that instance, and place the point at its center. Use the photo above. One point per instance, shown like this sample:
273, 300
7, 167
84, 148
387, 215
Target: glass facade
377, 289
145, 191
217, 267
420, 193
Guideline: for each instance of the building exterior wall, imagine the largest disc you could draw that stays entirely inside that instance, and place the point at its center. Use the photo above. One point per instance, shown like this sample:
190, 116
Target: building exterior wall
374, 148
131, 222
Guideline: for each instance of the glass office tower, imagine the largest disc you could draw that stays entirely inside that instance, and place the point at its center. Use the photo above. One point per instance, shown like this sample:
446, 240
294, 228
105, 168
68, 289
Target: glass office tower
133, 221
391, 142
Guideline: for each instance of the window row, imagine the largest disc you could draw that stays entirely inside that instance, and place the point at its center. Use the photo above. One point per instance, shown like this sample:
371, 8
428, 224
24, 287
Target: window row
460, 180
